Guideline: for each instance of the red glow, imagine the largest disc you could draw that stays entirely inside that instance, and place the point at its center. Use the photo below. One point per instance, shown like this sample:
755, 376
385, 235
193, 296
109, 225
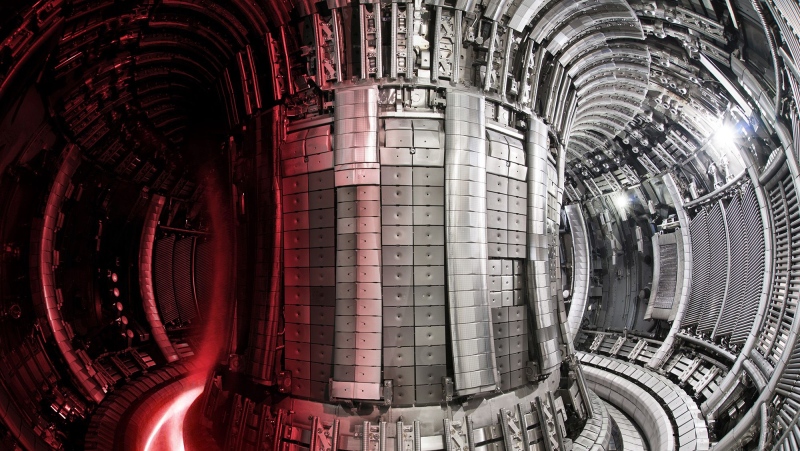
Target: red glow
167, 433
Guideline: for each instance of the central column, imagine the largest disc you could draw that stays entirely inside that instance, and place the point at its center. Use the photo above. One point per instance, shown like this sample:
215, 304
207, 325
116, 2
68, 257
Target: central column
358, 325
474, 364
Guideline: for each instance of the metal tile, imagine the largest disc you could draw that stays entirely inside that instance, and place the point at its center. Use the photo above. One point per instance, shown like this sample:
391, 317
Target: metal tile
428, 157
433, 295
345, 373
398, 337
393, 175
397, 235
396, 195
426, 139
368, 324
320, 181
398, 275
428, 256
321, 199
399, 138
323, 296
397, 124
321, 334
399, 375
430, 374
428, 235
399, 296
403, 395
497, 219
497, 235
319, 219
348, 177
429, 394
428, 176
397, 255
368, 373
429, 336
429, 316
428, 195
428, 215
322, 256
496, 166
429, 355
398, 215
428, 275
396, 157
496, 184
398, 357
398, 316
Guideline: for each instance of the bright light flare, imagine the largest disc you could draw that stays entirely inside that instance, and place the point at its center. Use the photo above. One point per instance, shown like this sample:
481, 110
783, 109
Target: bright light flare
621, 201
725, 140
167, 433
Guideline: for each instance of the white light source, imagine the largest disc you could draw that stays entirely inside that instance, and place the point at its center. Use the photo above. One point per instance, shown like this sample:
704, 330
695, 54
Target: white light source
724, 140
621, 201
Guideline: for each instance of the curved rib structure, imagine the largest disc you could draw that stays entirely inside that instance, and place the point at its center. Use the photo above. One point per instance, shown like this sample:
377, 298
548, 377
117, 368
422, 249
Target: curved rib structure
580, 268
44, 288
146, 288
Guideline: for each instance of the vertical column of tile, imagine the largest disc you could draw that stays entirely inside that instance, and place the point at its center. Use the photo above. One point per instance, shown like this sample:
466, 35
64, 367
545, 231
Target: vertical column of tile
357, 347
517, 218
497, 214
500, 319
322, 291
429, 257
297, 282
466, 248
545, 320
398, 291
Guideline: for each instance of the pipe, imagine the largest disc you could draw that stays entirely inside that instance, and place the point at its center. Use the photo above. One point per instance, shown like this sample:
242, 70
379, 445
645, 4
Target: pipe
772, 51
146, 290
755, 374
263, 368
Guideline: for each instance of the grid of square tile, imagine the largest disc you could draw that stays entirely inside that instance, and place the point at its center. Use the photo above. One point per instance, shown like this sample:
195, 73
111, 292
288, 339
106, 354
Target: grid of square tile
357, 353
413, 282
509, 320
506, 197
309, 269
506, 216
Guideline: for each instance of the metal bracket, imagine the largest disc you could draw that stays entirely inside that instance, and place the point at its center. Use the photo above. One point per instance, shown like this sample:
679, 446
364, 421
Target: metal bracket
637, 350
598, 340
617, 346
455, 436
512, 430
324, 437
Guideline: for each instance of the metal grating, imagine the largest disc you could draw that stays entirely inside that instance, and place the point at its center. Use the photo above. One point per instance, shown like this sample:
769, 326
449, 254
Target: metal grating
668, 273
165, 293
700, 269
755, 267
718, 269
182, 257
734, 302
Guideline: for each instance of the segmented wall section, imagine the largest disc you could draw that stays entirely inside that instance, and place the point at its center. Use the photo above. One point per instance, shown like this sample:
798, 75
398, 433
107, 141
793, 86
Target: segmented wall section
728, 253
